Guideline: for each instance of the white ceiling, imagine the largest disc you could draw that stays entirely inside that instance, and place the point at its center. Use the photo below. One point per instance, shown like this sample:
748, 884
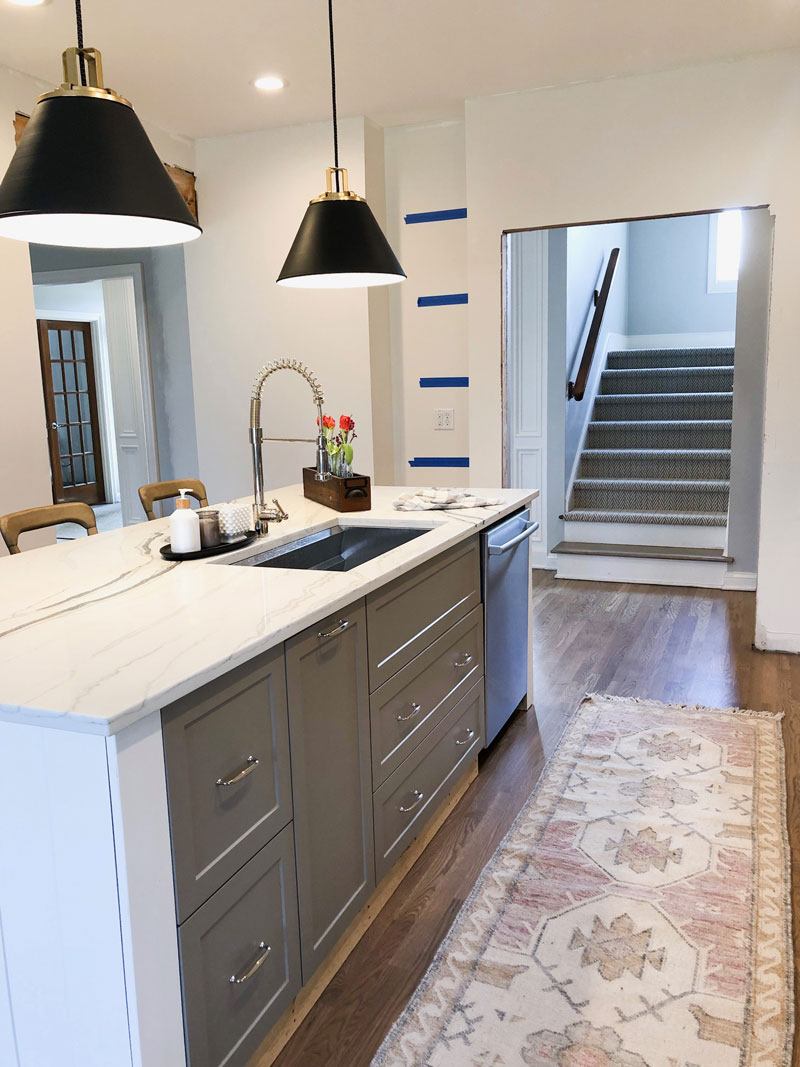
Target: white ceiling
188, 65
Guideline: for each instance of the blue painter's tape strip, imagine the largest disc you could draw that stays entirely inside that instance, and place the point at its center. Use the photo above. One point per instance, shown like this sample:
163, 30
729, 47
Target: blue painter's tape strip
436, 216
439, 461
444, 383
440, 301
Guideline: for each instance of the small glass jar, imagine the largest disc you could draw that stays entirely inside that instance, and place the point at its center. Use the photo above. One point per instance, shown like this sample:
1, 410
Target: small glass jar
209, 527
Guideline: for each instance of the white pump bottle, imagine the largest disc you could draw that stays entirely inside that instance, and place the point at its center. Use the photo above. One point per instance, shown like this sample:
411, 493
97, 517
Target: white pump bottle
184, 527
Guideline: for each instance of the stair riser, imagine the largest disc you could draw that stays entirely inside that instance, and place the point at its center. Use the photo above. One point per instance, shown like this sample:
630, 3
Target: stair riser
691, 467
663, 498
703, 380
648, 435
630, 533
672, 357
642, 571
702, 407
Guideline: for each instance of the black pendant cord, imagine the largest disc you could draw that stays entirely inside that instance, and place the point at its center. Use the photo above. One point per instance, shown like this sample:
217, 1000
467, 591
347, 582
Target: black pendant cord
333, 95
79, 23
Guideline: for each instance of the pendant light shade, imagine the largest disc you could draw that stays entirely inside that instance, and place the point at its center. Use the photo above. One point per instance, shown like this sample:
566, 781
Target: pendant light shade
85, 173
339, 244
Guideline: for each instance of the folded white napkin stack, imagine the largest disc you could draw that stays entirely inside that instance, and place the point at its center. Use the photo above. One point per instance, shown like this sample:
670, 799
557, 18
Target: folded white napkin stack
442, 500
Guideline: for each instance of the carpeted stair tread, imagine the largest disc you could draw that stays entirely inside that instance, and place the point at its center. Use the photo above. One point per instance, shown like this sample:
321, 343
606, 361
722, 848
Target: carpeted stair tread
653, 518
671, 357
670, 464
667, 380
644, 407
659, 434
633, 494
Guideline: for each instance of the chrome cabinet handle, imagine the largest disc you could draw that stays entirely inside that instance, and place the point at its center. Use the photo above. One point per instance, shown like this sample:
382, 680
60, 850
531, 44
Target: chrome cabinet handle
420, 797
465, 662
263, 951
467, 739
417, 709
340, 629
249, 767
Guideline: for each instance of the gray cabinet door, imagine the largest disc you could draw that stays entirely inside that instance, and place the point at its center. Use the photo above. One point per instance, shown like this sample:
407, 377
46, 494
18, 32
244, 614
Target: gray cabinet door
227, 756
240, 960
326, 668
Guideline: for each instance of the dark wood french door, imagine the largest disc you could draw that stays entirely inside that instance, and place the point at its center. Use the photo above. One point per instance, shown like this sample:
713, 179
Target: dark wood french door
70, 400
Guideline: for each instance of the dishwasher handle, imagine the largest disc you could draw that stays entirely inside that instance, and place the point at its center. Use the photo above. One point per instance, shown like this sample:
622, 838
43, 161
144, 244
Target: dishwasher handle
530, 529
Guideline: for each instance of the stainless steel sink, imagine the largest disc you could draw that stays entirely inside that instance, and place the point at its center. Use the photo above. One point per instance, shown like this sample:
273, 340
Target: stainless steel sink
341, 548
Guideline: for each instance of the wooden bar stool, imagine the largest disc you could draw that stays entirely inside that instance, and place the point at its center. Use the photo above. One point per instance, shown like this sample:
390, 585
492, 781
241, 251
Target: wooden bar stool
149, 494
20, 522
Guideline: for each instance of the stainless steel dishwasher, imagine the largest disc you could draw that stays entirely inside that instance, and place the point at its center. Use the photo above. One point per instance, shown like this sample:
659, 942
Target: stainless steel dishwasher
505, 566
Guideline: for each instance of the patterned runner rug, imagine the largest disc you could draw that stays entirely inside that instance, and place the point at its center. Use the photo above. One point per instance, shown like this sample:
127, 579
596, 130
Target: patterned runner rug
636, 915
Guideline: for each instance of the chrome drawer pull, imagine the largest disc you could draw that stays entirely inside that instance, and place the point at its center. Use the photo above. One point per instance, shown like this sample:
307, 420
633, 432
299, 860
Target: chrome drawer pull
420, 797
417, 709
264, 951
340, 629
467, 739
249, 767
465, 662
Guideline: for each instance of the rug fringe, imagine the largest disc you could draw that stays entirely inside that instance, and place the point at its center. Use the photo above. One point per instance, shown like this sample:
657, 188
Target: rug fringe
745, 713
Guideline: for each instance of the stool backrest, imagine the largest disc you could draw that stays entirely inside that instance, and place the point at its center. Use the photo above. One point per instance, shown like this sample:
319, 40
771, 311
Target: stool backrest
149, 494
20, 522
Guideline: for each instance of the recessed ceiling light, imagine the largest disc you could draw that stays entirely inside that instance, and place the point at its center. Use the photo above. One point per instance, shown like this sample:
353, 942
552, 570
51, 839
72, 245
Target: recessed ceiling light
269, 83
28, 3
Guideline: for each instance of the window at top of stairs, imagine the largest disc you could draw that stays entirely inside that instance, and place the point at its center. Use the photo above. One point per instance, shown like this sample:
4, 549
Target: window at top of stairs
724, 248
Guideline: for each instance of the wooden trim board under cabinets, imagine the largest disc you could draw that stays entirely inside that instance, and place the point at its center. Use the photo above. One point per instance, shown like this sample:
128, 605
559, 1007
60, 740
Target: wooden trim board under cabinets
305, 1000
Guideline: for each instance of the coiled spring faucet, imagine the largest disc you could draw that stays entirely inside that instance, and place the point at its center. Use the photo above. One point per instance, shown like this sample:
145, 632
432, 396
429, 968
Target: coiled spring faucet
263, 515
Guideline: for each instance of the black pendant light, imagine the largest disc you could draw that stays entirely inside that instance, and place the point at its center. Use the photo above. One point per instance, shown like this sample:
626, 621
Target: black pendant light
85, 173
339, 244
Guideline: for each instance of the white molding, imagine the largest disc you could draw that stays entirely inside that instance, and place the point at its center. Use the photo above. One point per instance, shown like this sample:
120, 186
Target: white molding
743, 580
633, 533
546, 563
628, 570
719, 339
776, 641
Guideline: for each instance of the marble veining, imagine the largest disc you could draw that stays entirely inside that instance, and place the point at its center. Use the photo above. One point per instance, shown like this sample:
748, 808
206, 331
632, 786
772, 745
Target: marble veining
97, 632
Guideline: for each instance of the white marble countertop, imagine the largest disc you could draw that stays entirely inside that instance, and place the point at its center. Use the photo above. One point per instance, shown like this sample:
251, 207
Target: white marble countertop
98, 632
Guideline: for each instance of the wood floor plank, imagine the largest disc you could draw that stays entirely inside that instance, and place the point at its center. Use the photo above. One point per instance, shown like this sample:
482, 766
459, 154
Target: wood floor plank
675, 645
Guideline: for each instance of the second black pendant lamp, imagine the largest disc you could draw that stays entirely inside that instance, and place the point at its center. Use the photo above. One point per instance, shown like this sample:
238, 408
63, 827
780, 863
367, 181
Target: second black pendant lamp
85, 173
339, 244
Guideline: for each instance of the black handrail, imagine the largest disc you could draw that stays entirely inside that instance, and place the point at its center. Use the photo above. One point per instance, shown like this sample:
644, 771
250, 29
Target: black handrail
576, 389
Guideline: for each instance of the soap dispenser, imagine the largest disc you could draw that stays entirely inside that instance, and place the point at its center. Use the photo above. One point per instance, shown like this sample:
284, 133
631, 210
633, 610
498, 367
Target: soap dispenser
184, 527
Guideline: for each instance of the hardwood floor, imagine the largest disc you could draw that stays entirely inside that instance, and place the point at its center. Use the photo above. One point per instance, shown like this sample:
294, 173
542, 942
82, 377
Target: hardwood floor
670, 644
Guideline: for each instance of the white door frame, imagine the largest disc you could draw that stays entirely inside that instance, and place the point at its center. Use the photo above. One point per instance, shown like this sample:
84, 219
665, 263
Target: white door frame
137, 375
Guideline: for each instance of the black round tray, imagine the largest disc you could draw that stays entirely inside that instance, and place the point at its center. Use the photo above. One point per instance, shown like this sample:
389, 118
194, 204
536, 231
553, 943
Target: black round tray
215, 550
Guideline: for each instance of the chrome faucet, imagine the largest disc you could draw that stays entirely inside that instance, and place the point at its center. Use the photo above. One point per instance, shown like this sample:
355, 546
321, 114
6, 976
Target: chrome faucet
262, 515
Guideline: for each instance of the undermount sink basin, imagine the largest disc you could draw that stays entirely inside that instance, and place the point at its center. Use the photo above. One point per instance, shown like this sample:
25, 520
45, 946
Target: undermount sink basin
341, 548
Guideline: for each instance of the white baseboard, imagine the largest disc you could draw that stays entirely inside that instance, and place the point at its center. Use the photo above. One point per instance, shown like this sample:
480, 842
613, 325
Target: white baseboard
545, 563
742, 580
775, 641
721, 339
631, 533
681, 572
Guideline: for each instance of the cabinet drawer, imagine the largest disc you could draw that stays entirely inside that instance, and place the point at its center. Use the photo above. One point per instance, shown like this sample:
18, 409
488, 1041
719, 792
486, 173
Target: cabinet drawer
240, 958
228, 778
410, 613
408, 798
407, 707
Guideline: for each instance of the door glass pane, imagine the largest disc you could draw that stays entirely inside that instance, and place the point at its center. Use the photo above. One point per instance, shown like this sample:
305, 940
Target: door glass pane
61, 409
75, 438
78, 340
83, 383
85, 409
63, 441
87, 438
77, 467
66, 344
90, 474
66, 473
69, 376
72, 406
58, 377
52, 340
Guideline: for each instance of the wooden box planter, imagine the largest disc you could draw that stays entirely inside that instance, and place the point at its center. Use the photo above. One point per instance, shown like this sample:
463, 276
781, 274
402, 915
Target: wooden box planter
341, 494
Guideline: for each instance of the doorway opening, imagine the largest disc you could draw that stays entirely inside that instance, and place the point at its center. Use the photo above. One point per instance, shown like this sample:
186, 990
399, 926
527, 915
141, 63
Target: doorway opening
634, 367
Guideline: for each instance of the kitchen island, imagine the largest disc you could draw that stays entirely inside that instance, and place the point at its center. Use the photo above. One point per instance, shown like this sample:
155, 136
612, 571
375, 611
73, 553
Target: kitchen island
181, 742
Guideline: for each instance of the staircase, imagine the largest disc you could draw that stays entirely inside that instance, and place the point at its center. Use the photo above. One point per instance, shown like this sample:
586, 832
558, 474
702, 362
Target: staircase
657, 453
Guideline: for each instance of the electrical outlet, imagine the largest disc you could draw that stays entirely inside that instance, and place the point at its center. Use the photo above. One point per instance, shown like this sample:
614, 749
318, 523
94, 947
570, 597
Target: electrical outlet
444, 419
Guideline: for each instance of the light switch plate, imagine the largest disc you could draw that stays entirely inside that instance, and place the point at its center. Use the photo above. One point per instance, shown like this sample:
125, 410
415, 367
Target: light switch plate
444, 419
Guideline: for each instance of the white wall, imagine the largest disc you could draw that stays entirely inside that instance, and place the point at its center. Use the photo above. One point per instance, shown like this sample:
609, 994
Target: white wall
718, 135
425, 172
253, 190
